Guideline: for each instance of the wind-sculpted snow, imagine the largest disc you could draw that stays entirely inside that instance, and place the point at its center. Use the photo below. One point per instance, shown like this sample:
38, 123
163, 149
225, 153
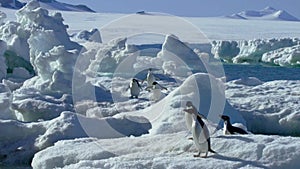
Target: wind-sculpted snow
289, 56
252, 51
267, 13
268, 108
171, 151
52, 56
20, 141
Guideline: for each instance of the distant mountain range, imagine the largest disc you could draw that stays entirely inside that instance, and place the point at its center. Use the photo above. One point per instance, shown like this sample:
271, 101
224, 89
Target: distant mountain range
267, 13
48, 4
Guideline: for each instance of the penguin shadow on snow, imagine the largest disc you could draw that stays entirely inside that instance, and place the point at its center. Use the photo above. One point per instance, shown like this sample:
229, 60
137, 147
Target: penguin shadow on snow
237, 137
243, 162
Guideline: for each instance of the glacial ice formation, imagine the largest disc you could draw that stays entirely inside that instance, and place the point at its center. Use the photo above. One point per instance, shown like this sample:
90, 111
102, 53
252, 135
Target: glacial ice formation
289, 56
52, 56
252, 51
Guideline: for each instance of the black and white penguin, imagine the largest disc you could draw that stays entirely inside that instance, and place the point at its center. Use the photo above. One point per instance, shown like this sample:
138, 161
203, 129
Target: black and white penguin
230, 129
135, 88
150, 77
201, 136
156, 91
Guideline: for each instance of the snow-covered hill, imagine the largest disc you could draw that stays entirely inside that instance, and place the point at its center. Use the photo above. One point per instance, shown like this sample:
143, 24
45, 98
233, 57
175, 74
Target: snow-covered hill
47, 4
267, 13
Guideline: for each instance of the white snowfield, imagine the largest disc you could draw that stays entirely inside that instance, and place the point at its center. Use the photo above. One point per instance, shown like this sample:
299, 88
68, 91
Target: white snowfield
267, 13
171, 151
65, 104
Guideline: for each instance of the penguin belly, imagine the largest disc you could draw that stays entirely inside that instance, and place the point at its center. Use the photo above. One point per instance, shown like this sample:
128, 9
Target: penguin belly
156, 94
188, 120
200, 137
225, 129
150, 79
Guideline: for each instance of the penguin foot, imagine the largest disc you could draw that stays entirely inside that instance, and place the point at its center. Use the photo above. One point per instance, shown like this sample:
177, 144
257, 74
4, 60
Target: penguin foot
196, 155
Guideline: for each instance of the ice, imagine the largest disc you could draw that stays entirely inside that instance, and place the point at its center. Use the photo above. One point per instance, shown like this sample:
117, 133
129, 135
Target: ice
52, 55
171, 151
267, 13
93, 35
289, 56
23, 140
207, 94
5, 102
270, 107
39, 126
3, 66
250, 51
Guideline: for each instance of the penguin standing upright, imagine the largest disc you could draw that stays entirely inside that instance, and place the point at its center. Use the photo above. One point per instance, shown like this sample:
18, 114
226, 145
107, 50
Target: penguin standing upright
156, 91
135, 88
199, 130
150, 77
229, 129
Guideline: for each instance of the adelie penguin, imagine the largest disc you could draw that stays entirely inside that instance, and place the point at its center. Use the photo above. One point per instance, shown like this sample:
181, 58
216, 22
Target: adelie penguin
135, 88
201, 136
230, 129
156, 91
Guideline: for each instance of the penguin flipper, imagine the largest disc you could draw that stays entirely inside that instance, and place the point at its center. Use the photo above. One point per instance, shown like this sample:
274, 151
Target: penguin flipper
240, 130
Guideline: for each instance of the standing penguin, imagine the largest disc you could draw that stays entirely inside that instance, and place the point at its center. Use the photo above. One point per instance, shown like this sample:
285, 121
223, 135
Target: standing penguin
150, 77
199, 130
229, 129
135, 88
156, 91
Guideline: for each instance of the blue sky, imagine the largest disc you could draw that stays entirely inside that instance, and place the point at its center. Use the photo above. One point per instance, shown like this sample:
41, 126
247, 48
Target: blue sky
188, 7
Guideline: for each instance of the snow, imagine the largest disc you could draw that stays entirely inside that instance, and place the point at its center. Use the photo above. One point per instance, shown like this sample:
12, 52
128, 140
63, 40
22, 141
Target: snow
270, 107
267, 13
256, 51
23, 140
289, 56
171, 151
64, 101
47, 4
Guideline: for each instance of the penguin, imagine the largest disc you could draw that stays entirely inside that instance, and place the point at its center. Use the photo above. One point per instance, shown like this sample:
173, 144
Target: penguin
135, 88
150, 77
201, 136
229, 129
156, 91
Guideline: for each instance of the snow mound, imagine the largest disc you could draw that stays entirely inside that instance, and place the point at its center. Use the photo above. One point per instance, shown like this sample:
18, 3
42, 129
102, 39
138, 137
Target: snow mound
52, 56
289, 56
171, 151
268, 108
176, 52
248, 81
23, 140
93, 36
206, 93
267, 13
250, 51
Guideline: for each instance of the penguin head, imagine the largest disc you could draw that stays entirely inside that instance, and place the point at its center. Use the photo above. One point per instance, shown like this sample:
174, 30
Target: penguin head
154, 83
189, 104
136, 81
190, 108
225, 118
